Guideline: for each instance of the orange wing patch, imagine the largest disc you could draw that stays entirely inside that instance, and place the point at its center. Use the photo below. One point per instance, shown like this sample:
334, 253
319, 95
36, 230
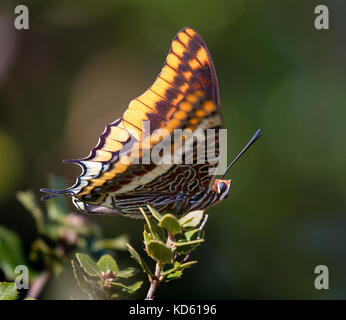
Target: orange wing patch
166, 103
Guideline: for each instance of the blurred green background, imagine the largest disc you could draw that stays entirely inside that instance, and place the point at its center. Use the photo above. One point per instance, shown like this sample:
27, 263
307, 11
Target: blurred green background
81, 62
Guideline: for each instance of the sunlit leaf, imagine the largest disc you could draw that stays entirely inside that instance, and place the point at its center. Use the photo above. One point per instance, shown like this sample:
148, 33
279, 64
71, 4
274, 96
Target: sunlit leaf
170, 223
156, 233
192, 219
179, 266
88, 264
146, 219
191, 234
84, 283
140, 261
159, 251
185, 247
174, 275
8, 291
155, 213
126, 273
106, 262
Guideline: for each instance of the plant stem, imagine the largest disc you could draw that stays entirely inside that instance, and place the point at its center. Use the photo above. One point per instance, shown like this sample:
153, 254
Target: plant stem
157, 276
155, 282
38, 284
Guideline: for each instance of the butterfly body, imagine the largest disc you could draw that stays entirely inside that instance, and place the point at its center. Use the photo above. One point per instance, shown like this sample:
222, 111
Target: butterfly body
128, 204
116, 179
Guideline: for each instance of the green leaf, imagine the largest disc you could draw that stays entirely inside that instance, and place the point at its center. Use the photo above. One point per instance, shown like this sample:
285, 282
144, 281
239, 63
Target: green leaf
90, 285
191, 234
118, 243
153, 230
126, 273
11, 252
155, 233
187, 264
81, 280
192, 219
146, 219
134, 254
134, 287
188, 243
170, 223
88, 265
129, 289
177, 271
159, 251
8, 291
147, 236
119, 285
155, 213
179, 266
106, 262
174, 275
185, 247
28, 200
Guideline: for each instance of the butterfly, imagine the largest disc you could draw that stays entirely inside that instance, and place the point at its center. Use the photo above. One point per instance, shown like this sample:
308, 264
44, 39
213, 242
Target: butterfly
184, 96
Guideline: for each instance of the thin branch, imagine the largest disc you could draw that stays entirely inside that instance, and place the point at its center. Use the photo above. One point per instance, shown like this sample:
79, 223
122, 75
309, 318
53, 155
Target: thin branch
155, 282
158, 277
38, 284
201, 227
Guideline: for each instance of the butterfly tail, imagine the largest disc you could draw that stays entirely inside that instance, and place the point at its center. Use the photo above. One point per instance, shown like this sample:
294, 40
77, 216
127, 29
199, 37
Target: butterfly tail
54, 193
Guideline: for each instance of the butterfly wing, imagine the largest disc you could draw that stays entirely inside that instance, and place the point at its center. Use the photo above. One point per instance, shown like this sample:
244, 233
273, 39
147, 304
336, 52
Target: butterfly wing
177, 186
187, 74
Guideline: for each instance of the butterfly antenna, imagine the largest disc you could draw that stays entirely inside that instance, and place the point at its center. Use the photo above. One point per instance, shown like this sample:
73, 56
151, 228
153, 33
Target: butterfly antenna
252, 140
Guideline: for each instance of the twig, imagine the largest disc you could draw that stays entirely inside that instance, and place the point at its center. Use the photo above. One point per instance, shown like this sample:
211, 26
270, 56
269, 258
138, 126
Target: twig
154, 282
38, 284
202, 226
158, 276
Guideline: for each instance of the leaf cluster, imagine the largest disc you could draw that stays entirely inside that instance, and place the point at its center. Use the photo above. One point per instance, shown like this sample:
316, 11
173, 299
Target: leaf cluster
103, 279
169, 241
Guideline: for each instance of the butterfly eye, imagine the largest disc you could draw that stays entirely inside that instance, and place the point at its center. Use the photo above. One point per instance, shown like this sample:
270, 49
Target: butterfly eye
222, 187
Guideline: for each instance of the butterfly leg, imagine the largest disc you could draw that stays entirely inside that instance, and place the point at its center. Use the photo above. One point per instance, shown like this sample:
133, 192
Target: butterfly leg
180, 206
180, 209
202, 225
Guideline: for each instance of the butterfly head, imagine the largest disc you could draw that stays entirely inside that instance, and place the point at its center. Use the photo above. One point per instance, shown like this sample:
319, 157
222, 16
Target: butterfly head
221, 187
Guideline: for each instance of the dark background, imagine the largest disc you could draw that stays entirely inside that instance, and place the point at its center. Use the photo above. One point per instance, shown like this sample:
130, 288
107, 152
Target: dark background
81, 62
